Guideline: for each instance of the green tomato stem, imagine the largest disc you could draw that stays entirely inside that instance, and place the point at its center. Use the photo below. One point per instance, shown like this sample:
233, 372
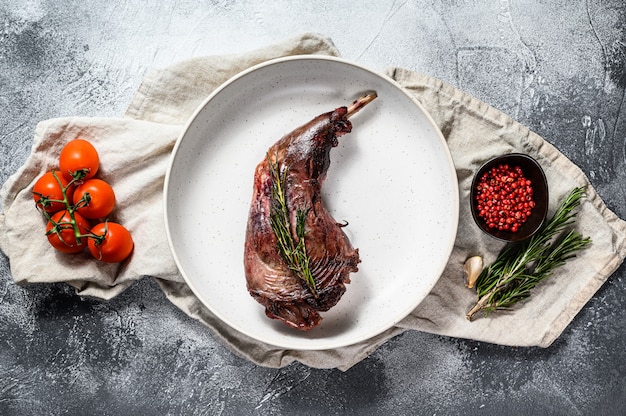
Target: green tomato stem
70, 209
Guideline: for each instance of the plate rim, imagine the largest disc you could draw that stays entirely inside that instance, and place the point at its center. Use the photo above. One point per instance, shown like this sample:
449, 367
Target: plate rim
276, 61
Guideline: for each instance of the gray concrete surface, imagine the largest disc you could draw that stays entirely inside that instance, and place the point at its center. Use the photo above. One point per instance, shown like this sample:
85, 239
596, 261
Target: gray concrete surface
557, 66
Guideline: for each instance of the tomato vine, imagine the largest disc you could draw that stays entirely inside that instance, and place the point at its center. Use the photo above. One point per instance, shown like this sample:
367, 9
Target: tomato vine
68, 214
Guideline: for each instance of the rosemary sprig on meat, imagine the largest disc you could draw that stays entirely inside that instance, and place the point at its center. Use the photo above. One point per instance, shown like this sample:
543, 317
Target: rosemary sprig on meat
291, 247
519, 268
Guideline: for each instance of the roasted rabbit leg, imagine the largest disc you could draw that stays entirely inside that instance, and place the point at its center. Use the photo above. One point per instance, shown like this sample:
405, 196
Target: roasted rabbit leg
297, 258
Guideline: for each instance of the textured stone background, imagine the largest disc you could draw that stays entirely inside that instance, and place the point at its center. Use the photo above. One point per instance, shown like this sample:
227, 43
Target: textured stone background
557, 66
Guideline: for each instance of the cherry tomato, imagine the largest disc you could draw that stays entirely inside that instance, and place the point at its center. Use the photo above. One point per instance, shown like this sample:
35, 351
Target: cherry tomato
60, 232
116, 244
48, 192
94, 199
79, 159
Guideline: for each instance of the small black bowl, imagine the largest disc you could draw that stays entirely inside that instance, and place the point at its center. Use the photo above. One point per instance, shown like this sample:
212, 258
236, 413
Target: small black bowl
535, 174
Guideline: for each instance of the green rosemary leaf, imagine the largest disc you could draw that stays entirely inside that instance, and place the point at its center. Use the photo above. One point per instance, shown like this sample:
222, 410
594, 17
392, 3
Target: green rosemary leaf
292, 248
519, 268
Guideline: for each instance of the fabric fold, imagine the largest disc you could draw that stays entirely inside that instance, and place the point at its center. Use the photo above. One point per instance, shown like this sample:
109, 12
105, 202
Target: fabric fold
171, 95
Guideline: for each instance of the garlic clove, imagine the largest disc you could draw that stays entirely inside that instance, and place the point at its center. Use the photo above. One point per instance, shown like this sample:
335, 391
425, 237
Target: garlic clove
473, 267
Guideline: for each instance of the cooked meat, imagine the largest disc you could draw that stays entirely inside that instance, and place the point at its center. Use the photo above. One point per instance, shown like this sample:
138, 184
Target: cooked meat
296, 165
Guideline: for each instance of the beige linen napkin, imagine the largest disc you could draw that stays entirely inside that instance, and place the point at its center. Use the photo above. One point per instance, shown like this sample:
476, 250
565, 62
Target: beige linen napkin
135, 151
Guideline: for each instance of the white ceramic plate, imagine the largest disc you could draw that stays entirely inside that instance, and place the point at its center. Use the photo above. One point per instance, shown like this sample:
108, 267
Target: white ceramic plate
392, 179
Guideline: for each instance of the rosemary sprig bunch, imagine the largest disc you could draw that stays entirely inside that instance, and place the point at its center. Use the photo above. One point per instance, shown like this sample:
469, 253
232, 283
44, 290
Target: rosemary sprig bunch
291, 248
519, 268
